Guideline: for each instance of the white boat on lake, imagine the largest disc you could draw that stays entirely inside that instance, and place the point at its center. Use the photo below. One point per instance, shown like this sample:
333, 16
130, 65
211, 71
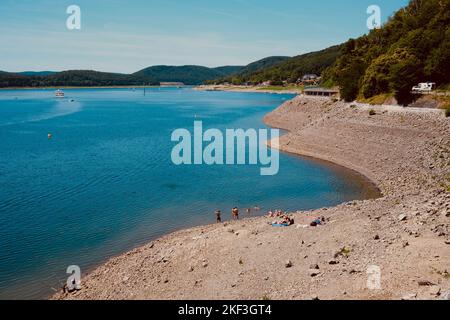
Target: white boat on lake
59, 94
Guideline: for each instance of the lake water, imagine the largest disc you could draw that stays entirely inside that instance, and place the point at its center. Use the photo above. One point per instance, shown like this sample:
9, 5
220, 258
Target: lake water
105, 182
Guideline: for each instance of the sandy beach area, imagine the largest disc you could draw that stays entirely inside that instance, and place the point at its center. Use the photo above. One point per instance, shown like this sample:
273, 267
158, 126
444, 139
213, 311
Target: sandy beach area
405, 233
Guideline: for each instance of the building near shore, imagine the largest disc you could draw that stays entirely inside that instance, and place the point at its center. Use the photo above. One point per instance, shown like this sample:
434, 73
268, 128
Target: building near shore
324, 92
309, 79
265, 84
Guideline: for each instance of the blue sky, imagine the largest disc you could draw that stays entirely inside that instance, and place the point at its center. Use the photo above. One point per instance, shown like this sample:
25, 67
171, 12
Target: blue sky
128, 35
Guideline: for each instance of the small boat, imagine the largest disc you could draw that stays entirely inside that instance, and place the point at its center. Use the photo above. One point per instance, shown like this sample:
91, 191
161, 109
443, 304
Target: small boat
59, 94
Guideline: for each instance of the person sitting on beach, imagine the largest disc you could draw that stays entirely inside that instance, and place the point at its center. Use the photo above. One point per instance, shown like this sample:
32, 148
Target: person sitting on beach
316, 222
289, 221
235, 213
285, 221
218, 216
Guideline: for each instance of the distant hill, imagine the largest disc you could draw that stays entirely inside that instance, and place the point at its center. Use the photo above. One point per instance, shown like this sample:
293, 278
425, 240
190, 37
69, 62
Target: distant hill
262, 64
191, 74
8, 79
229, 70
95, 78
279, 69
76, 78
240, 75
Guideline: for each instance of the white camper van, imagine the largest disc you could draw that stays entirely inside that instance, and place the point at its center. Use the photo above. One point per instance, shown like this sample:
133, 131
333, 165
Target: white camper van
424, 87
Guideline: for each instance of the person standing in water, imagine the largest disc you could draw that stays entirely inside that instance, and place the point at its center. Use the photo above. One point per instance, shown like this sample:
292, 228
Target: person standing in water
235, 213
218, 216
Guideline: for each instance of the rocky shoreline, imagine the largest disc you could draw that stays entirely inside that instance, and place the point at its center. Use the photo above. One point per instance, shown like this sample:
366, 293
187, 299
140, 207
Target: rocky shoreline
405, 234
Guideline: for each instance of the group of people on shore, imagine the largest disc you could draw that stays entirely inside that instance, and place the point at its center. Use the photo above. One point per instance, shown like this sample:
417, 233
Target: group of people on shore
234, 213
282, 218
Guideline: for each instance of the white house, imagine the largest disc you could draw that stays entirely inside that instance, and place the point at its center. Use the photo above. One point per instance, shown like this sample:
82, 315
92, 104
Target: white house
310, 77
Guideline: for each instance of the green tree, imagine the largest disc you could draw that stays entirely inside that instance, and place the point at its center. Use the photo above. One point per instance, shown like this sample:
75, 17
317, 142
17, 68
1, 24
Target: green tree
376, 78
403, 75
437, 66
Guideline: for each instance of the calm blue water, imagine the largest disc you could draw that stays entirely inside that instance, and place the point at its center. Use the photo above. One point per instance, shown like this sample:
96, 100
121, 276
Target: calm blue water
105, 182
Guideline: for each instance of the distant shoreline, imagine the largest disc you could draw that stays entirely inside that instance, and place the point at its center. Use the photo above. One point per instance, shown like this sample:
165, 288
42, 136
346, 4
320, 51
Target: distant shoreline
85, 87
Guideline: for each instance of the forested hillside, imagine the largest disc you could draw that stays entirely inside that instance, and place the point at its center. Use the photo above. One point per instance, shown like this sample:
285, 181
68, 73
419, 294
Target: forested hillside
76, 78
192, 75
286, 69
412, 47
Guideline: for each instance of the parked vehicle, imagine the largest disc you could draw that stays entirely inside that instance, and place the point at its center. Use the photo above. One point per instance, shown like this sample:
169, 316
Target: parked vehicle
424, 87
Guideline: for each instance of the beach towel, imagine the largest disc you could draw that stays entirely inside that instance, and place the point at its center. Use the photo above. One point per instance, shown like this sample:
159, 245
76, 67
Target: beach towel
280, 224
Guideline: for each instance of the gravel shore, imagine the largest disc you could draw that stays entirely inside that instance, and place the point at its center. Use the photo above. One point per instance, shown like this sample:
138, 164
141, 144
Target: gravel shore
405, 233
